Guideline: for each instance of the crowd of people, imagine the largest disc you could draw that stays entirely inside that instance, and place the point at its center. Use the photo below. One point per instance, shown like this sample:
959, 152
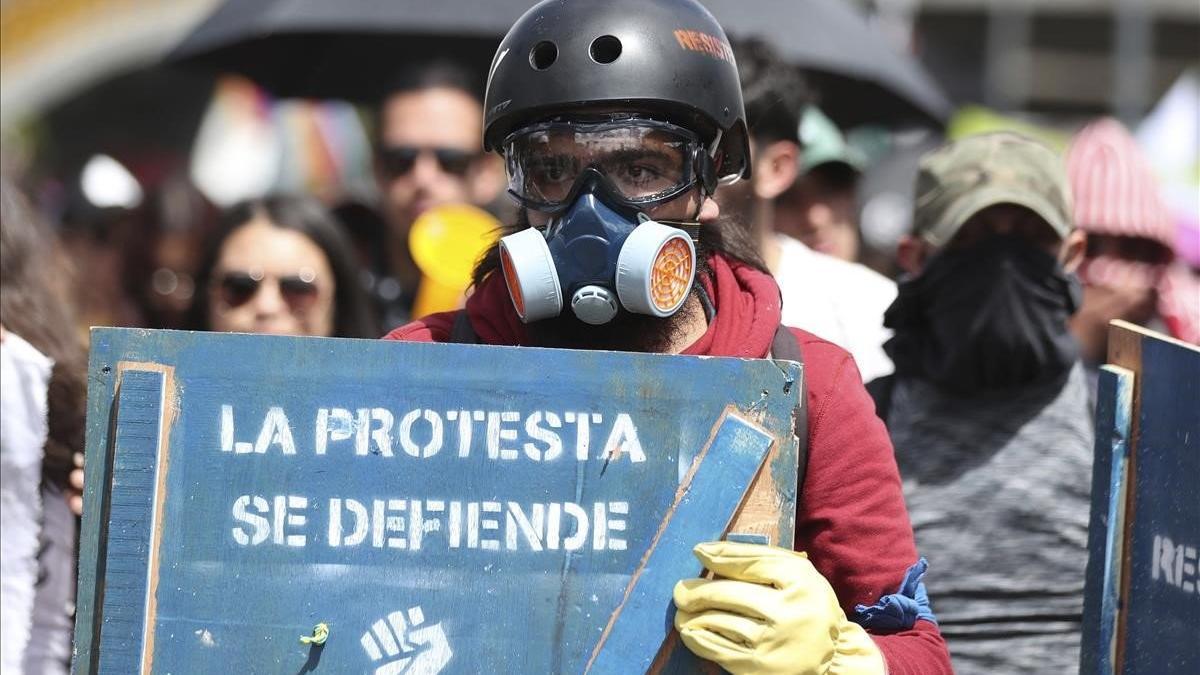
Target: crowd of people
950, 405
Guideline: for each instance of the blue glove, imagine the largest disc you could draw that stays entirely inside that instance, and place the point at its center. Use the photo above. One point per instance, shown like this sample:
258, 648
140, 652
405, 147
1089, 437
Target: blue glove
900, 610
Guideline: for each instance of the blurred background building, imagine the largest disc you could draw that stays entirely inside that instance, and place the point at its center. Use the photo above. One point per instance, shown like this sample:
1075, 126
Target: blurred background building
1066, 58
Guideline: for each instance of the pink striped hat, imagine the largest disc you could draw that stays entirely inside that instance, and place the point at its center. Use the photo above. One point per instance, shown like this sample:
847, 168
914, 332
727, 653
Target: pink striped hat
1116, 191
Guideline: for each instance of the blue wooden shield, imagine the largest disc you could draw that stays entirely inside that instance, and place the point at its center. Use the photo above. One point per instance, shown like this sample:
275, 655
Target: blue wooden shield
433, 508
1142, 602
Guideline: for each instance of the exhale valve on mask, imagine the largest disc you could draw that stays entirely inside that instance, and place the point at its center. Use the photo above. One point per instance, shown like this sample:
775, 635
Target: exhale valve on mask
598, 255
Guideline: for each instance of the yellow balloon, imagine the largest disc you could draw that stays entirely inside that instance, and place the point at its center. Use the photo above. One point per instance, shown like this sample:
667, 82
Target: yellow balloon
446, 242
433, 297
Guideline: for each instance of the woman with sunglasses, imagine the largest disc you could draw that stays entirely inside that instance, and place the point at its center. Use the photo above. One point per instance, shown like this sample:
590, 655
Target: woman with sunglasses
281, 265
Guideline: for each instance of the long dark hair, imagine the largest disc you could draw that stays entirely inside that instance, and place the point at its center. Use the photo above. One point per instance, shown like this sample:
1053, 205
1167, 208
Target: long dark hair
351, 317
31, 308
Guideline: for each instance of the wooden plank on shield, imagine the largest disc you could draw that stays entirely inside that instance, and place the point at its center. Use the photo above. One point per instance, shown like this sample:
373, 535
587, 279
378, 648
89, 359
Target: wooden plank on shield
717, 482
1106, 543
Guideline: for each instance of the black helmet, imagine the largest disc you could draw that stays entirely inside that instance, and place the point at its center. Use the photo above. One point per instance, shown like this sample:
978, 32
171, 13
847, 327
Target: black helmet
668, 58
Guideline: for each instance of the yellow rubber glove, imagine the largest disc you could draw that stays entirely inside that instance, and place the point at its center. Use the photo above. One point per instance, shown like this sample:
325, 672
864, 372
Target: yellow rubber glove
772, 612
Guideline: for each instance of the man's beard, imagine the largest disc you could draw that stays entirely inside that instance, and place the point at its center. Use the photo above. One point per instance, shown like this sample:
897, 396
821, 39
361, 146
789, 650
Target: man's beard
627, 332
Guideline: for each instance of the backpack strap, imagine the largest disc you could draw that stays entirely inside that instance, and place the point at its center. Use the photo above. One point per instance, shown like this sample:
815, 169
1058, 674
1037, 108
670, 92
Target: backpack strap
785, 346
881, 389
462, 332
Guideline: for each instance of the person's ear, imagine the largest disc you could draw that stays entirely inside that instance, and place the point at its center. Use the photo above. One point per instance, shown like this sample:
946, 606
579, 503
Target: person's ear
487, 179
911, 254
1073, 249
709, 211
776, 168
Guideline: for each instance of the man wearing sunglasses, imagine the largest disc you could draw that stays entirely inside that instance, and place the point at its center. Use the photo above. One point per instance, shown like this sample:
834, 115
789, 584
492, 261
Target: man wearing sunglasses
616, 121
429, 153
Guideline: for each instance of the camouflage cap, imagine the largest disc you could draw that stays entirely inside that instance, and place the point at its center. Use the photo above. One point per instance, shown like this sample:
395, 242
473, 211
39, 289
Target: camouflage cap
961, 178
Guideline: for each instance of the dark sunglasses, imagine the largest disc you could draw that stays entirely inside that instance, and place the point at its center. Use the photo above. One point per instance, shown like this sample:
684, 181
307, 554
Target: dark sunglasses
398, 160
238, 288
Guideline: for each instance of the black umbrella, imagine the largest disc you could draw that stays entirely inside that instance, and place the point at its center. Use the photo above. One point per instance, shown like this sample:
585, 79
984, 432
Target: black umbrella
861, 79
345, 49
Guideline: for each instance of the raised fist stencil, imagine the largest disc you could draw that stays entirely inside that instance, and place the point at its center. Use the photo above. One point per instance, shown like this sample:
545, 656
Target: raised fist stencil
405, 645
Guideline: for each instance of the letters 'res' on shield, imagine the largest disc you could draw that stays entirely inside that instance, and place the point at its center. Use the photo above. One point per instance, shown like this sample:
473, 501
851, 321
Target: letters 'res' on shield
438, 508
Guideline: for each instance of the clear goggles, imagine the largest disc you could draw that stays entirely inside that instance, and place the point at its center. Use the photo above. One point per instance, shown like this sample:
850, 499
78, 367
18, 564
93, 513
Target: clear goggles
643, 162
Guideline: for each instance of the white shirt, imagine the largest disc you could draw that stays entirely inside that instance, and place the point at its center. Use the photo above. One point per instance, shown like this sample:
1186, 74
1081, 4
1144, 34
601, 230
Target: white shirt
24, 379
840, 301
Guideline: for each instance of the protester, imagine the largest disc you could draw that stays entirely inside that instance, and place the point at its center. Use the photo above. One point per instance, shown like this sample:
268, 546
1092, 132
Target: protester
988, 409
1128, 271
280, 265
598, 111
94, 243
821, 207
429, 153
838, 300
160, 264
42, 396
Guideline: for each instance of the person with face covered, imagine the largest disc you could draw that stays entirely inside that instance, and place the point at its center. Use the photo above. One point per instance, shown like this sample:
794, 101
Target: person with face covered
616, 121
988, 409
1129, 271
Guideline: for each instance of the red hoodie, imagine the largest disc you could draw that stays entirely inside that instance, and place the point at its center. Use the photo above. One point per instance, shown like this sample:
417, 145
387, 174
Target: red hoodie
851, 517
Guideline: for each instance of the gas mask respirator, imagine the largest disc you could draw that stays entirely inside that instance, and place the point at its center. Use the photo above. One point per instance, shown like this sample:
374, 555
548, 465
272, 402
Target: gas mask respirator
595, 256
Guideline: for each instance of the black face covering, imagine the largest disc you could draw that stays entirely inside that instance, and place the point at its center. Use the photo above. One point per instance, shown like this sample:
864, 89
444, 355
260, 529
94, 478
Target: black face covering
989, 317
